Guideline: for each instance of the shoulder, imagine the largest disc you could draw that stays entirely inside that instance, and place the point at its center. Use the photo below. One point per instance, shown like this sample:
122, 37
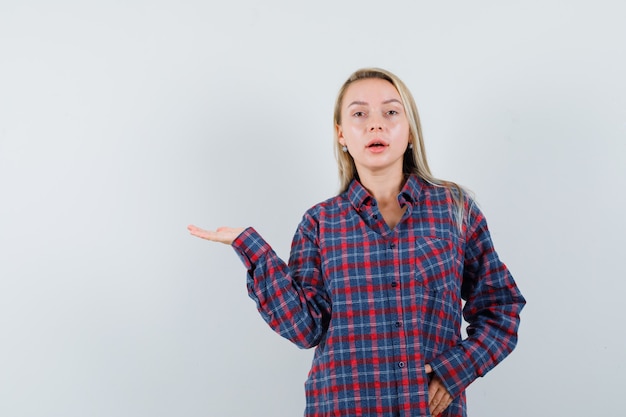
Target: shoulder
316, 219
332, 206
452, 202
329, 211
441, 197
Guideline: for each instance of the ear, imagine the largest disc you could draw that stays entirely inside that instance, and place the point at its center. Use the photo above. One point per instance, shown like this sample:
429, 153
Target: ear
339, 132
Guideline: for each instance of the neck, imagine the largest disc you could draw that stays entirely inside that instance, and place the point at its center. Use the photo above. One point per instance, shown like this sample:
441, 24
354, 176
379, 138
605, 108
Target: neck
384, 187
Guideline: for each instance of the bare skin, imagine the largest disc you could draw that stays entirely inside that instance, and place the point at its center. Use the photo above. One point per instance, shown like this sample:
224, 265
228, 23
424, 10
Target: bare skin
388, 205
375, 130
438, 397
225, 235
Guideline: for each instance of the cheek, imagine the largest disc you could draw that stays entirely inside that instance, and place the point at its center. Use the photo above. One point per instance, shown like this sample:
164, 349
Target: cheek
351, 130
403, 130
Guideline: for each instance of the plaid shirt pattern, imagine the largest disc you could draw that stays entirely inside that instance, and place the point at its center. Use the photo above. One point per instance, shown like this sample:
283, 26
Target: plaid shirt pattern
378, 304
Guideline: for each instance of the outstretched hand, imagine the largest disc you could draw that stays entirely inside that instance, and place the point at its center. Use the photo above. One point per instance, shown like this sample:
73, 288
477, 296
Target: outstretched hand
224, 235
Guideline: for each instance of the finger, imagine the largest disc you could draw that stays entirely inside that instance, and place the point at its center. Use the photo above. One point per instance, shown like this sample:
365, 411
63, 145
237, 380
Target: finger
196, 231
435, 401
428, 368
222, 234
205, 234
442, 406
434, 392
440, 398
437, 396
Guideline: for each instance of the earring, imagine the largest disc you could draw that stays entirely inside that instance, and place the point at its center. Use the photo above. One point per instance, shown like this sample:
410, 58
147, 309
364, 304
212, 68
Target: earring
410, 146
344, 148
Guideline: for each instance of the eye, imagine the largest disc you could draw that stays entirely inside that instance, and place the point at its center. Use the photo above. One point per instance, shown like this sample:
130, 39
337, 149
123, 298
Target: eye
358, 114
392, 112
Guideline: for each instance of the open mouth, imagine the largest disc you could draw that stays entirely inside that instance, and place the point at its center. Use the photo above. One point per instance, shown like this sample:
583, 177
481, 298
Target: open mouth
376, 144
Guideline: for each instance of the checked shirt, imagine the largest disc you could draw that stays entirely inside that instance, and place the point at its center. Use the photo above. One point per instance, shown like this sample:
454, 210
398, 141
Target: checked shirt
378, 304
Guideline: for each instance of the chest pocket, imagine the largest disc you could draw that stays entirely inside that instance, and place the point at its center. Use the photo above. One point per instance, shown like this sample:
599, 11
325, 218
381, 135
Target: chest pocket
436, 263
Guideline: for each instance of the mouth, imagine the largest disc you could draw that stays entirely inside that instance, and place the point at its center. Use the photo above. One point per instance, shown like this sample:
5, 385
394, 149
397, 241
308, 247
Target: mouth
377, 144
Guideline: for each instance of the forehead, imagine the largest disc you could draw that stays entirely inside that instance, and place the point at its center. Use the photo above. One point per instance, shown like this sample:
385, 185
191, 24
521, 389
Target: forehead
371, 91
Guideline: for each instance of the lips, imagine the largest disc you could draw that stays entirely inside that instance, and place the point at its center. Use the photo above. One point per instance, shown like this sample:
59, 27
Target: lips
377, 143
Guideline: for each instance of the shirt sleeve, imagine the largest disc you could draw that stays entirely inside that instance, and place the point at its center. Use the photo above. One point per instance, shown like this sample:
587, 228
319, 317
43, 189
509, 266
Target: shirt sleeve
290, 297
492, 309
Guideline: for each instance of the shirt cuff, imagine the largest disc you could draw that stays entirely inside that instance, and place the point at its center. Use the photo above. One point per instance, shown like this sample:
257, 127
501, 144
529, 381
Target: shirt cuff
250, 247
453, 370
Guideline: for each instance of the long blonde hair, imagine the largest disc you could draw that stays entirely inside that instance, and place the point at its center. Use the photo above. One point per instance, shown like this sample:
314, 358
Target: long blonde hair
415, 161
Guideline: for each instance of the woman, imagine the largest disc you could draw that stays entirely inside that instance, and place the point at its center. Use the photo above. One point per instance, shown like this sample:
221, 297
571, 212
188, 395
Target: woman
377, 275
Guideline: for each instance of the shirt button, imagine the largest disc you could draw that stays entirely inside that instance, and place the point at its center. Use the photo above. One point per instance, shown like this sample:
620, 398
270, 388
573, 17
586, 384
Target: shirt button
394, 284
393, 245
398, 324
375, 216
401, 364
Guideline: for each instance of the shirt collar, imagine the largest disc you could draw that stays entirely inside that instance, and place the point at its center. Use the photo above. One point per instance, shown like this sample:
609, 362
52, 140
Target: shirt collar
412, 189
359, 196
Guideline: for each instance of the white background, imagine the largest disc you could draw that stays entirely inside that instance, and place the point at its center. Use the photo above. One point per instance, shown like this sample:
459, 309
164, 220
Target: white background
123, 121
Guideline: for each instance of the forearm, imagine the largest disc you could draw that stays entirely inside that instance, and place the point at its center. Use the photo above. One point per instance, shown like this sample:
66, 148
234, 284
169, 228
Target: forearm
290, 306
492, 335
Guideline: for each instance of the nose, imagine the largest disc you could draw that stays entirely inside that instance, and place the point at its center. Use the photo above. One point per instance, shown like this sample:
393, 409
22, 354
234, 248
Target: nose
375, 124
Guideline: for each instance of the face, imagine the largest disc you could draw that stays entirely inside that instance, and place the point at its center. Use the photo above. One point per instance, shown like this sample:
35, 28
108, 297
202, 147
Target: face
374, 126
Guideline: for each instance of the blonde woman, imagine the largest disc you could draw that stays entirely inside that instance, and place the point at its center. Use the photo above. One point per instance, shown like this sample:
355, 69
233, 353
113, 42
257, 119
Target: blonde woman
377, 275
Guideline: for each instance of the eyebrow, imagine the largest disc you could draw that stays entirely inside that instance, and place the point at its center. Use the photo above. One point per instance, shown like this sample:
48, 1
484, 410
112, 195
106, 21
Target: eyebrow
363, 103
